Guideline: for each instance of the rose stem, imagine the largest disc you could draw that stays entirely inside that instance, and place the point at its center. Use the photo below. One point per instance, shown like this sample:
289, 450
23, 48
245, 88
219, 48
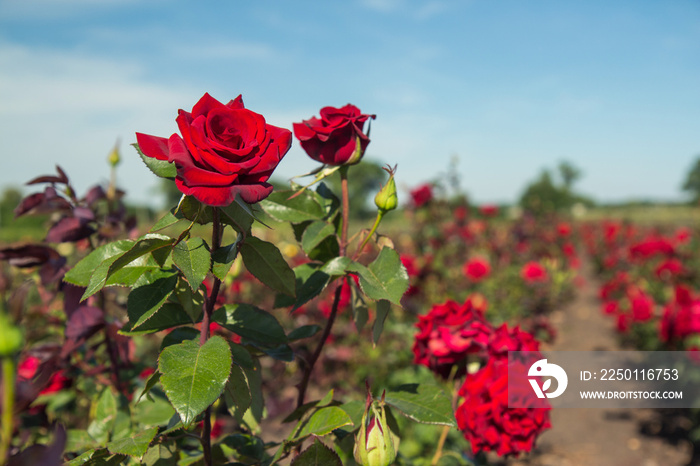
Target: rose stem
204, 332
319, 348
345, 209
446, 429
8, 379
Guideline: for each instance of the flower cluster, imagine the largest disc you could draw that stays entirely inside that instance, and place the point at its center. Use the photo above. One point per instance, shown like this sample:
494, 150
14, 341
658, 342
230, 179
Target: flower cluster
452, 333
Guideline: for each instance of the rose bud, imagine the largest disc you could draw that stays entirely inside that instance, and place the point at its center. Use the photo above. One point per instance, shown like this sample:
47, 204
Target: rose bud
386, 199
375, 444
113, 158
337, 138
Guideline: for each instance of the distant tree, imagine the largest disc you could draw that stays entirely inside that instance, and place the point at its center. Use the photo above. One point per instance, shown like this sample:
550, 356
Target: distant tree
569, 174
169, 190
692, 182
544, 196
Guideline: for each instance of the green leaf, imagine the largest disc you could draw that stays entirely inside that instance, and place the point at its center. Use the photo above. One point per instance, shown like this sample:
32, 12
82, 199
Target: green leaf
336, 267
385, 278
315, 233
150, 383
354, 409
426, 404
161, 454
169, 219
305, 331
222, 259
109, 266
168, 316
326, 250
241, 356
145, 300
179, 335
310, 288
360, 311
266, 263
237, 393
324, 421
159, 168
191, 302
135, 446
82, 271
303, 207
193, 260
105, 415
194, 376
238, 214
251, 323
254, 377
195, 211
383, 308
154, 411
247, 446
317, 454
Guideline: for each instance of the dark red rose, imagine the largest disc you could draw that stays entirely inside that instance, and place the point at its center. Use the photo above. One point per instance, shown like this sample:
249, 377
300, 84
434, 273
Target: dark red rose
448, 334
337, 137
488, 210
533, 272
503, 340
681, 316
669, 268
642, 305
422, 195
224, 150
485, 418
477, 269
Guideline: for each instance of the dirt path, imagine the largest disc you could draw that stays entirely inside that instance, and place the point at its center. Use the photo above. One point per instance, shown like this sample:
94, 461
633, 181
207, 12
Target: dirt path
600, 437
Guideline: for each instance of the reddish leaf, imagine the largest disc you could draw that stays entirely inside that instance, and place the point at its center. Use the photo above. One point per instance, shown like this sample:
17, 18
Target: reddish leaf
84, 322
69, 229
71, 297
28, 256
95, 194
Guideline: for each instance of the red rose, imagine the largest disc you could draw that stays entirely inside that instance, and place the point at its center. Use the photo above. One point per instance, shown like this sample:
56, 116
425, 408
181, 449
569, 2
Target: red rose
448, 334
224, 150
336, 138
533, 272
504, 340
488, 210
485, 418
477, 269
421, 195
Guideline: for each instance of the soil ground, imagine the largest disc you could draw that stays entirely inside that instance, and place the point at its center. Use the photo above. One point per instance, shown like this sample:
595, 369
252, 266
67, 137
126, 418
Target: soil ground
601, 437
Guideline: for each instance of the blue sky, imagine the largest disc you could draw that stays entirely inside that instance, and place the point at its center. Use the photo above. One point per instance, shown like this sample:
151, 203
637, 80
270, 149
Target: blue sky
509, 87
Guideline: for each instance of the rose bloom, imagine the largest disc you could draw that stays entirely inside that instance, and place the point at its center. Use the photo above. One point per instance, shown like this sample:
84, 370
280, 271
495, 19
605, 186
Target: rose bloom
681, 316
652, 246
503, 340
224, 150
421, 195
669, 268
533, 272
337, 137
642, 305
448, 334
485, 419
488, 210
477, 269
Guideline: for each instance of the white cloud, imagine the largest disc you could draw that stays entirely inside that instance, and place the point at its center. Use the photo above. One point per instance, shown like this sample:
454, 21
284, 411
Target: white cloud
68, 109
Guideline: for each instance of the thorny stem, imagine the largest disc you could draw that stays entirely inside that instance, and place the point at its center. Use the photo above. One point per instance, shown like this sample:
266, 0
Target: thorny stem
8, 379
345, 204
209, 302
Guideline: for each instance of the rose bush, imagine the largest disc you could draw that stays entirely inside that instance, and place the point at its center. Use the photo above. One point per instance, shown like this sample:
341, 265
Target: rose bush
224, 150
337, 138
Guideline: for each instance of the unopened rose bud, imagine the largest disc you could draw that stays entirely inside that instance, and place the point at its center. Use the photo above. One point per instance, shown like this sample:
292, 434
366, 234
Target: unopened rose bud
11, 341
375, 444
113, 158
387, 199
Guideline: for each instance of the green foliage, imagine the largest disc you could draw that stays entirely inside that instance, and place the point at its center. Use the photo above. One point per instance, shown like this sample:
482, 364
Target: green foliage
193, 376
692, 182
543, 196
